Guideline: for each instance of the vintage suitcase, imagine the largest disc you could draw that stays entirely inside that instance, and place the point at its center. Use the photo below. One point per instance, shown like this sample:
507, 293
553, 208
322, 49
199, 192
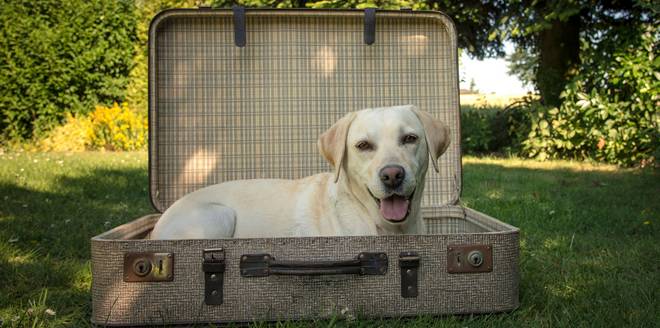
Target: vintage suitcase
242, 94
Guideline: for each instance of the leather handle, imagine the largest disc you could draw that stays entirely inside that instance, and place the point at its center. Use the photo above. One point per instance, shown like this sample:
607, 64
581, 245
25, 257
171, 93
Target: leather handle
263, 265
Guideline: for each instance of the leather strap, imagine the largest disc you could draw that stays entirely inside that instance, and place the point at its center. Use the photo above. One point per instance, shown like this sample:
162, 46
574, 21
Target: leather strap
214, 272
370, 26
409, 264
240, 39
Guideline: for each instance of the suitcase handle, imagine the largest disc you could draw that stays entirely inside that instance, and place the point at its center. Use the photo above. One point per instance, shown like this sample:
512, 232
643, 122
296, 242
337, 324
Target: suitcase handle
263, 265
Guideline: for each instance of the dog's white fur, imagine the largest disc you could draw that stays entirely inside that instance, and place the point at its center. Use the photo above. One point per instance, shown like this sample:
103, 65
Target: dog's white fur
326, 204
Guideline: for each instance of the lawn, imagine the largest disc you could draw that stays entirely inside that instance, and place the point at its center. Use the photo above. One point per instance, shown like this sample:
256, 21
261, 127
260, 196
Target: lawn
590, 251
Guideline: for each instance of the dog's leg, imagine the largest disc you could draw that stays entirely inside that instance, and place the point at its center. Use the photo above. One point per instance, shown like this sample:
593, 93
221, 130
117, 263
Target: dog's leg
202, 221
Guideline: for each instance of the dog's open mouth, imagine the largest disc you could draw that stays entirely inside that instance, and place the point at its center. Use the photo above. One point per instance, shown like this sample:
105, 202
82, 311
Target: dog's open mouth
394, 208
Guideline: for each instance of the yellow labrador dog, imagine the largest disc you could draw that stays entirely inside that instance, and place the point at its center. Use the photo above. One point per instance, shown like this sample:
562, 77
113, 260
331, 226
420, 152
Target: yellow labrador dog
379, 156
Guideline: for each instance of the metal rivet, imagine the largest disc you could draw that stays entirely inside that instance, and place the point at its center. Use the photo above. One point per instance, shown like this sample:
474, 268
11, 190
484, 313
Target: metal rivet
409, 272
214, 293
361, 256
243, 258
266, 257
214, 276
410, 288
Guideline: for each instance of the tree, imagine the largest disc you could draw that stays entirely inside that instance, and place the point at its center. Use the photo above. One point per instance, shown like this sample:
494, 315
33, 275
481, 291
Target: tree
522, 62
557, 37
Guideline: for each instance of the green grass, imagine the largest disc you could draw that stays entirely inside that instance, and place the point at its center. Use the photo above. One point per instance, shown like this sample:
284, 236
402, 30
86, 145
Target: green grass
590, 242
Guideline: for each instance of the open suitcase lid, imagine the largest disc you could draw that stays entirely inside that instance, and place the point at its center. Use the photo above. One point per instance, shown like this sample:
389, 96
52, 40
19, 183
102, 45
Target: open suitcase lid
220, 112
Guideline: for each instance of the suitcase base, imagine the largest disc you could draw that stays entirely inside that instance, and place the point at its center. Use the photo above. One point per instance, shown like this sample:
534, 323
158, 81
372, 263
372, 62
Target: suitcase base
183, 300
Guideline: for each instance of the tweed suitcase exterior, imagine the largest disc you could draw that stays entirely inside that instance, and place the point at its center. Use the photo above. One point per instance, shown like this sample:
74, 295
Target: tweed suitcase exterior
244, 94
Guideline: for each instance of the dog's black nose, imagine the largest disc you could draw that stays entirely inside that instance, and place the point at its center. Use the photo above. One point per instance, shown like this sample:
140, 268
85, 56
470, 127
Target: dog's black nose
392, 175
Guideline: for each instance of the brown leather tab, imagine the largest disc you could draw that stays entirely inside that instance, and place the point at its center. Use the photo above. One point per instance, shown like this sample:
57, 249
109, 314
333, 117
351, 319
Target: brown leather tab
214, 270
370, 26
240, 39
409, 264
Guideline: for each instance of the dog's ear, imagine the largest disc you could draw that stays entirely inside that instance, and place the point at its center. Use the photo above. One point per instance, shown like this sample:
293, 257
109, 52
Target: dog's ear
437, 135
332, 143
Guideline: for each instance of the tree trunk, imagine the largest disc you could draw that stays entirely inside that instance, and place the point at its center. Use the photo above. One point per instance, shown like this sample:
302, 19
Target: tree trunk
559, 55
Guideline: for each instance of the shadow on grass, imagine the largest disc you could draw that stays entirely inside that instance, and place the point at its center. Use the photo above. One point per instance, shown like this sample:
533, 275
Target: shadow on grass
61, 221
584, 235
45, 237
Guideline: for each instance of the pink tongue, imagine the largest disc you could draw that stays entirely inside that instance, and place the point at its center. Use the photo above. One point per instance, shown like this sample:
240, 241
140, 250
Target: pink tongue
394, 208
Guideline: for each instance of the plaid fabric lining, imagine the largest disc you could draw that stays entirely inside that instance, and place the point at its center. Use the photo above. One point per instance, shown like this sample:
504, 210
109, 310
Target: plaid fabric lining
220, 112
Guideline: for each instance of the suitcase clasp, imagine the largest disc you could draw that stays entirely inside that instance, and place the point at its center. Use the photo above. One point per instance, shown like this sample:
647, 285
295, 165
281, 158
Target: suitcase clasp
469, 258
214, 271
148, 267
409, 264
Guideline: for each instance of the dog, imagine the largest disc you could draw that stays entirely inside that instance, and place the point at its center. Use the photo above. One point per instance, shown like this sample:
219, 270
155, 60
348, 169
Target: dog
379, 158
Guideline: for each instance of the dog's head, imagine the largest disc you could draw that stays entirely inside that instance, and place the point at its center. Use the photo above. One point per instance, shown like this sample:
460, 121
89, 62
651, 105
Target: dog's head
384, 153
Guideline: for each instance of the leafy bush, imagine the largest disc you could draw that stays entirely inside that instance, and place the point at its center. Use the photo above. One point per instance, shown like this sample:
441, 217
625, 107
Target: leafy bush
59, 57
117, 128
489, 129
137, 89
614, 118
72, 136
476, 133
106, 128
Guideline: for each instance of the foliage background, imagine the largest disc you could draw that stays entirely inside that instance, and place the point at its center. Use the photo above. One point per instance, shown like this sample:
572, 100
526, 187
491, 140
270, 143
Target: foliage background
597, 86
59, 57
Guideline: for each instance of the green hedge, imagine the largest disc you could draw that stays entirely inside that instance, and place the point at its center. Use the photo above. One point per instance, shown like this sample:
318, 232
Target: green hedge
608, 114
61, 56
493, 129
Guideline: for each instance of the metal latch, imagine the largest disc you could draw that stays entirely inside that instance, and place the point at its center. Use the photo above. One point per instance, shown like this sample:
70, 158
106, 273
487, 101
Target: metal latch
148, 267
409, 264
214, 270
469, 258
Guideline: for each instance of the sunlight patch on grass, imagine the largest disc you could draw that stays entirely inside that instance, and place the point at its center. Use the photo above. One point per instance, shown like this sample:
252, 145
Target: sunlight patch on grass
494, 194
488, 100
552, 243
515, 162
564, 290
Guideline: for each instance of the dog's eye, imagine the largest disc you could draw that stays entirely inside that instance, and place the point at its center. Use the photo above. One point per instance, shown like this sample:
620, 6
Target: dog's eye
409, 138
364, 145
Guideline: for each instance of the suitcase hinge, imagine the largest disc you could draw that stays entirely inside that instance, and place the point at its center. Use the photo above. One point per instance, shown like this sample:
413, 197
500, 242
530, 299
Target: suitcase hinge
214, 270
409, 264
